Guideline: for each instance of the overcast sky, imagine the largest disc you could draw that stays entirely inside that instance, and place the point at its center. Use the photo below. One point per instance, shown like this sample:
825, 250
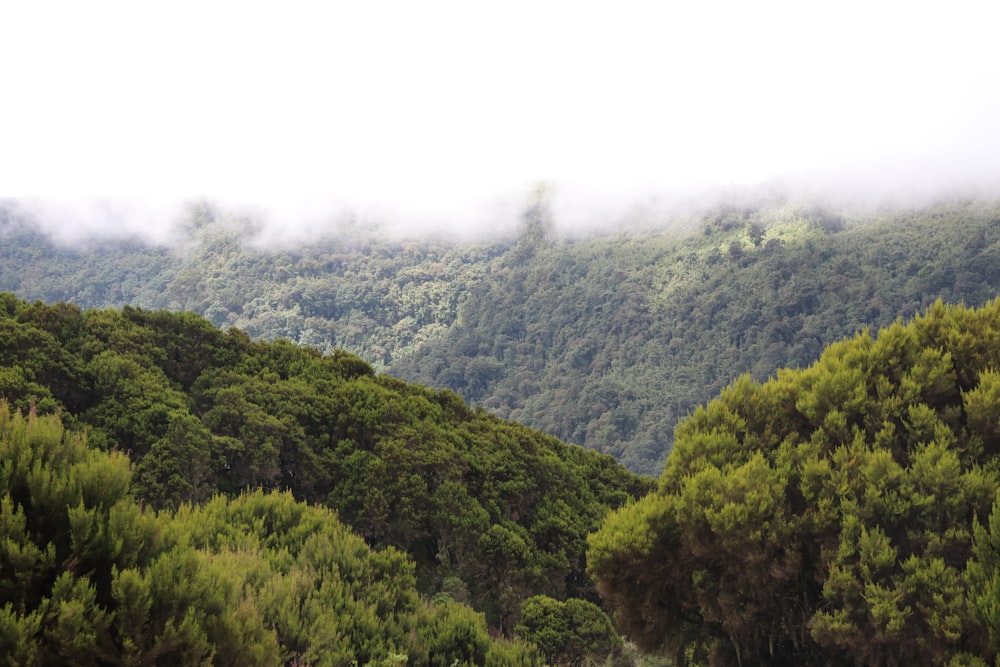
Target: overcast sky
434, 107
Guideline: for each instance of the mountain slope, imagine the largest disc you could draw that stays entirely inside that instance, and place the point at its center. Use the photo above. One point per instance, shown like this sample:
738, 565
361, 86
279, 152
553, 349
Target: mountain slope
608, 342
492, 512
604, 341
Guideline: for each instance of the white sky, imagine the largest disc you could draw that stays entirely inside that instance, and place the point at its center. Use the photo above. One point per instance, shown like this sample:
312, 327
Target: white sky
430, 106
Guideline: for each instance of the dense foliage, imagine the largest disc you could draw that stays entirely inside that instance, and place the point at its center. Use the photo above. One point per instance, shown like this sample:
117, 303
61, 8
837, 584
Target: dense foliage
90, 578
492, 512
604, 341
350, 288
568, 632
842, 514
609, 341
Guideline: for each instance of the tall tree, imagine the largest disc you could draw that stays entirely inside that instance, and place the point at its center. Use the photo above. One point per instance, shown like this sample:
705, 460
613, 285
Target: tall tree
825, 516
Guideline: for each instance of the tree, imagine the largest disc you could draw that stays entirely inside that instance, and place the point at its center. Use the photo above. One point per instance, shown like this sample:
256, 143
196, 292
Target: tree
495, 508
568, 632
827, 515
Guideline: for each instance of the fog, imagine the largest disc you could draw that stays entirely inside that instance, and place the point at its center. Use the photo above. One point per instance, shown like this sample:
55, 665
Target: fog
443, 116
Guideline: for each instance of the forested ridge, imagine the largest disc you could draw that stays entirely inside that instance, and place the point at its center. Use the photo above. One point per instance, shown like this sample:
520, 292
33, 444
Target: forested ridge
834, 512
610, 341
247, 449
605, 340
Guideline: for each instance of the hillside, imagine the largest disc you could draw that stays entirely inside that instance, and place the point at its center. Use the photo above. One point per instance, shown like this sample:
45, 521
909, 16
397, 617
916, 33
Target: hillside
491, 512
609, 341
605, 341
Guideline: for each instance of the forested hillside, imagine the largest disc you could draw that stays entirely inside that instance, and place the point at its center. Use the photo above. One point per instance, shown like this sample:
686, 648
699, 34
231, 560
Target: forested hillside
841, 514
609, 341
604, 341
353, 289
491, 512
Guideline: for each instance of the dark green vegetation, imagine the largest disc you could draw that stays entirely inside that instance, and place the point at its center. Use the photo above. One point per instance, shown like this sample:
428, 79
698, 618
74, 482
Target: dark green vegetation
490, 512
89, 578
842, 514
605, 341
354, 289
567, 632
608, 342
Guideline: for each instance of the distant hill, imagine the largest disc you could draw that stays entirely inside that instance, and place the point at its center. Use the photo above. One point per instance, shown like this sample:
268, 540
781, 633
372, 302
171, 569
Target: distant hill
609, 341
604, 341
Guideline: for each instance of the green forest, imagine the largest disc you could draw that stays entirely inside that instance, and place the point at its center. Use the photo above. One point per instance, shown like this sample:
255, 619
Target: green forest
173, 492
89, 577
605, 340
371, 450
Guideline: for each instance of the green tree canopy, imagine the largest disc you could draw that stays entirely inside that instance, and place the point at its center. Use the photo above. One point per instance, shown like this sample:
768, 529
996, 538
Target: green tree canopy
88, 577
605, 340
568, 632
828, 515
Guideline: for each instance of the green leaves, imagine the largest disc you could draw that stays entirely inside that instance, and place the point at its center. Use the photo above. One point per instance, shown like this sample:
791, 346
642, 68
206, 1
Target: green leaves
983, 575
89, 578
567, 632
982, 411
827, 515
606, 341
187, 412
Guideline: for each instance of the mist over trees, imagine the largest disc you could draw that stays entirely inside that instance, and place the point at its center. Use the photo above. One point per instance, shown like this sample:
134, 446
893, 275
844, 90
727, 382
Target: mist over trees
605, 341
832, 512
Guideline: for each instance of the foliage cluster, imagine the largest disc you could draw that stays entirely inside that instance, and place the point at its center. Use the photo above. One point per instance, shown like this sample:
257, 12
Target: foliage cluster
568, 632
842, 514
605, 341
353, 288
90, 578
492, 512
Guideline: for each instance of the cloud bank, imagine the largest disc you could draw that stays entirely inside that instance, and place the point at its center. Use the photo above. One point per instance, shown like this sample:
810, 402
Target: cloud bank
442, 114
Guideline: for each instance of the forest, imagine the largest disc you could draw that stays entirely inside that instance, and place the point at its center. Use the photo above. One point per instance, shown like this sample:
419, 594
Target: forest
91, 578
604, 340
173, 492
209, 445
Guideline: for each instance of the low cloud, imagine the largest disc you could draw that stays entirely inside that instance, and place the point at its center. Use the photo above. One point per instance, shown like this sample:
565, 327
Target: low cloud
440, 119
81, 220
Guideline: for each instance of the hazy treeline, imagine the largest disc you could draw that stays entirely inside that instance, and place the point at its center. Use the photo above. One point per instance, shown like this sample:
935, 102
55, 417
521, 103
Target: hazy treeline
609, 341
605, 341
